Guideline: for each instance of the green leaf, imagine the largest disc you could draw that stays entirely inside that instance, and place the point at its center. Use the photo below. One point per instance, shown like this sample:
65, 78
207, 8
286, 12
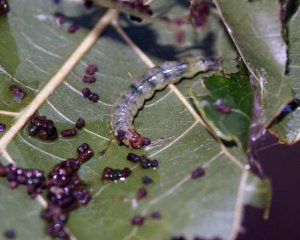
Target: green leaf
288, 128
227, 106
256, 30
209, 206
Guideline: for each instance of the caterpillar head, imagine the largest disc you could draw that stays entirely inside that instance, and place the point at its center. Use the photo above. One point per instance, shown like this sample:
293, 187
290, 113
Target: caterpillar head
132, 139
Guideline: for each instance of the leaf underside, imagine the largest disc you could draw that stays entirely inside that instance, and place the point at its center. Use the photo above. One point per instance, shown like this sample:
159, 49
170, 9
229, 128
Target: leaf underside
32, 50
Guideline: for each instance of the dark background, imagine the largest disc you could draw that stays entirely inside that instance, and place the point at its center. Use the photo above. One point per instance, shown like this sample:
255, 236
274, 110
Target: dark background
281, 163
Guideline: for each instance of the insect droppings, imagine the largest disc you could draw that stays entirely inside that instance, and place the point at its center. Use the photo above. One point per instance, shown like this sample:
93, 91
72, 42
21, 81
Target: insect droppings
147, 180
178, 237
91, 69
9, 234
69, 132
198, 172
84, 152
17, 91
42, 127
138, 220
222, 107
60, 18
141, 193
88, 79
115, 174
133, 157
148, 163
4, 7
2, 127
80, 123
130, 101
94, 97
73, 28
88, 4
156, 215
86, 92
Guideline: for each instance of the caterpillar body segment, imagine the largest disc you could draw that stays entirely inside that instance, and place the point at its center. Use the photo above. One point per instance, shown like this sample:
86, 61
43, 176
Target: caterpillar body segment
156, 78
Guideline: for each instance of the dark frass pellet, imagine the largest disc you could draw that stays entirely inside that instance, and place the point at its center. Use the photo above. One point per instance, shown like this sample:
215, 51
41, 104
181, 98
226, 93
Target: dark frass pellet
89, 79
2, 127
4, 7
94, 97
82, 148
145, 142
156, 215
148, 163
73, 28
9, 234
88, 4
133, 157
84, 152
60, 18
141, 193
86, 92
135, 19
178, 237
42, 127
91, 69
69, 132
34, 179
17, 91
222, 107
80, 123
66, 193
198, 172
138, 220
154, 163
147, 180
85, 156
199, 13
115, 174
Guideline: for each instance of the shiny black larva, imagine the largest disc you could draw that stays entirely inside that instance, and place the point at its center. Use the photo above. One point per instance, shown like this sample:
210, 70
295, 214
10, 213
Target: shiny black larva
130, 101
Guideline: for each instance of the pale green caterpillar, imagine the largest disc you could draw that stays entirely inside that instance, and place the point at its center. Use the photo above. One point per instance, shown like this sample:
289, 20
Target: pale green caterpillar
143, 88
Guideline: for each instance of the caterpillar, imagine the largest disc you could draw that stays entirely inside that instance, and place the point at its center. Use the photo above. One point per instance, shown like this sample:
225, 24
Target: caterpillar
156, 78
